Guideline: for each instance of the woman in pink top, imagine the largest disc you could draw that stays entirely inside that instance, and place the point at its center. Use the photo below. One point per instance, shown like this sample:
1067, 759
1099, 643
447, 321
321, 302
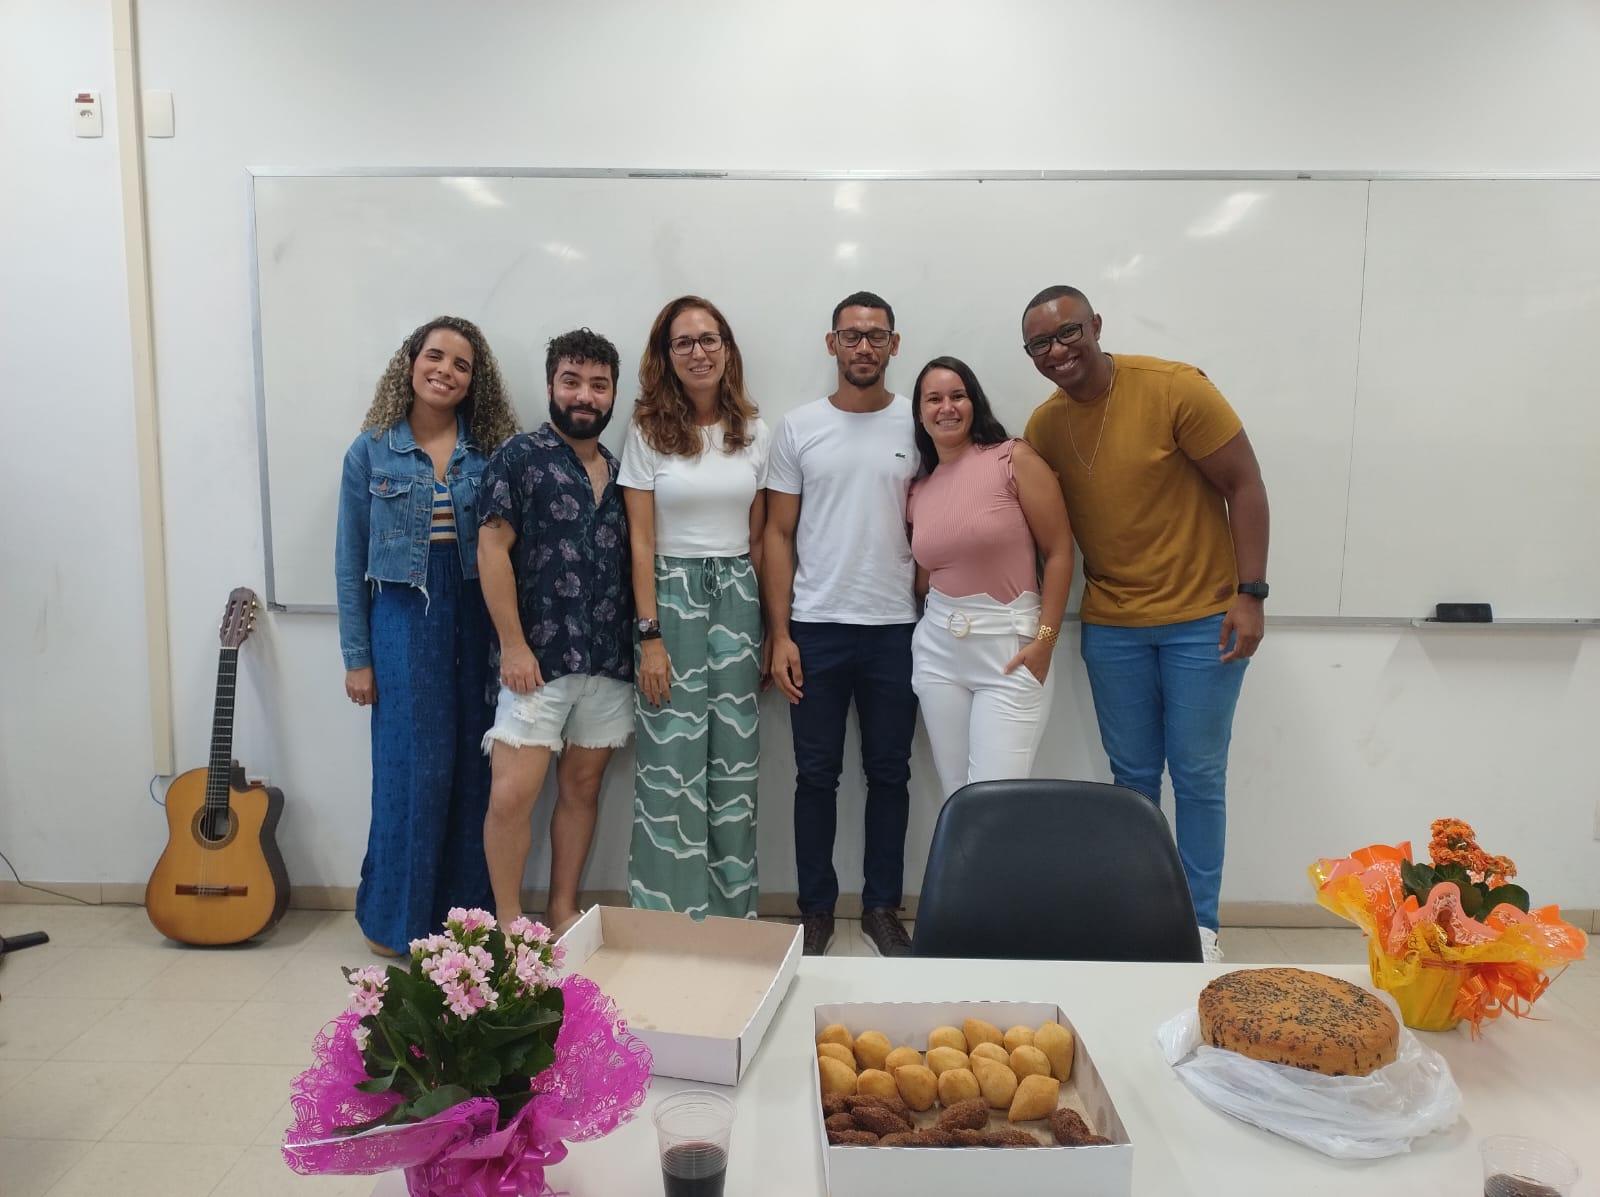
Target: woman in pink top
994, 559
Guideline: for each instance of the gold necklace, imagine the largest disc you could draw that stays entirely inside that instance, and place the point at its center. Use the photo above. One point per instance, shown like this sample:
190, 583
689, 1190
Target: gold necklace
1088, 466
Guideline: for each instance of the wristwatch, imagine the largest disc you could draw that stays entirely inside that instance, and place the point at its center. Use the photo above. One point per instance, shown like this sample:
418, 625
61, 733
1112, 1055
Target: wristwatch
649, 629
1256, 590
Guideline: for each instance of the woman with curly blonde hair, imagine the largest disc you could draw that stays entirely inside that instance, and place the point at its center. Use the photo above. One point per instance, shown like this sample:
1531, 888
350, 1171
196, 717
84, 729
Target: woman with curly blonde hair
413, 628
693, 466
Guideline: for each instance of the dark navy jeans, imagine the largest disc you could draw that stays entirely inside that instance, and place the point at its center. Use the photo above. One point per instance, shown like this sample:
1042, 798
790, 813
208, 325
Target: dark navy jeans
870, 666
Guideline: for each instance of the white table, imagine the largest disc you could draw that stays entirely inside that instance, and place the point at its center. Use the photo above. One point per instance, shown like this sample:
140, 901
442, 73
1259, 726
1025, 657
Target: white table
1539, 1078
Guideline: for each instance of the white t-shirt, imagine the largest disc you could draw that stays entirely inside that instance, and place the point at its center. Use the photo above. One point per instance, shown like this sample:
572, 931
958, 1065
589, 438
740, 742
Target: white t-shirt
852, 471
702, 503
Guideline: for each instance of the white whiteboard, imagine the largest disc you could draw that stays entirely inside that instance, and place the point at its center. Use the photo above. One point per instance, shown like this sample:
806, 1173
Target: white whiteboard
1257, 282
1461, 464
1477, 448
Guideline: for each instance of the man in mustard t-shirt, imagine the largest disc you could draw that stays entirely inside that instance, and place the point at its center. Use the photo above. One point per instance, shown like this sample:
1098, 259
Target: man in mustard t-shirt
1167, 504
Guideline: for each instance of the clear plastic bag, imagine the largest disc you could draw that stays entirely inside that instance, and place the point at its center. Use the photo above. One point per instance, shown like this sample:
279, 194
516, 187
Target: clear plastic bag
1346, 1117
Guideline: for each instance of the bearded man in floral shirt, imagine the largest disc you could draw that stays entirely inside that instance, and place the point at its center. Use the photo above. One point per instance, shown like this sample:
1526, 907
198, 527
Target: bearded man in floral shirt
553, 560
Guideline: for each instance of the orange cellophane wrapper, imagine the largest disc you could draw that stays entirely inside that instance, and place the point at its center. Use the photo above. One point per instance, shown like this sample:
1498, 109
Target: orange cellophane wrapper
1422, 953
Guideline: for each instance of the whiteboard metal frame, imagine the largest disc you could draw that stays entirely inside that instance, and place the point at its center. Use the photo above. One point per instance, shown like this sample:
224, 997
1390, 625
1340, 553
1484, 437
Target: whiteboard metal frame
838, 176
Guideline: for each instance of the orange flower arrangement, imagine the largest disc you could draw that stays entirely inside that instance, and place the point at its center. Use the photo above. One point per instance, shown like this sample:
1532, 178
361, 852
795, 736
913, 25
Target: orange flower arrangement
1454, 842
1451, 940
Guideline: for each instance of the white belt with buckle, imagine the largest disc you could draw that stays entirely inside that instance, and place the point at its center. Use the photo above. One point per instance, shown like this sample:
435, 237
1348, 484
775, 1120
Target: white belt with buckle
961, 625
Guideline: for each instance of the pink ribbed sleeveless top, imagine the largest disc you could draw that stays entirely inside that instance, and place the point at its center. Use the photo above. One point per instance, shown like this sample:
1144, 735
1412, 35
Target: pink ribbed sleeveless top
968, 530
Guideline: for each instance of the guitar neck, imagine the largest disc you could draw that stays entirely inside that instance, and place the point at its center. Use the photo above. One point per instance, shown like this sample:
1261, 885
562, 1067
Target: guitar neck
220, 769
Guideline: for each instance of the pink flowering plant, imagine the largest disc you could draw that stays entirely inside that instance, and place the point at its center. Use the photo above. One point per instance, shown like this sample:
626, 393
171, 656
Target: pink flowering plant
471, 1066
475, 1013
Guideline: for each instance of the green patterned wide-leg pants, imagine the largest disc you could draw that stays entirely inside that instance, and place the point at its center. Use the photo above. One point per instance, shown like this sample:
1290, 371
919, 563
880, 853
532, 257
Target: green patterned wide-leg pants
694, 791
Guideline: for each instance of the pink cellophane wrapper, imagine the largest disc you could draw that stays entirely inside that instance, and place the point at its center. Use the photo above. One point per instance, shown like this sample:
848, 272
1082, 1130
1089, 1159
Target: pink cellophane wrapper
598, 1082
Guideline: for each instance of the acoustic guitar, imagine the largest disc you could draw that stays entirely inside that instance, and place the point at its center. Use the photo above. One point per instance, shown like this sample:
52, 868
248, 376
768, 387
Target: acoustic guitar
221, 878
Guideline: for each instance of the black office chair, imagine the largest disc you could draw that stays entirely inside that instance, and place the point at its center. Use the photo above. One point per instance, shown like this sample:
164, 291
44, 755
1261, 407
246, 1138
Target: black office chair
1047, 869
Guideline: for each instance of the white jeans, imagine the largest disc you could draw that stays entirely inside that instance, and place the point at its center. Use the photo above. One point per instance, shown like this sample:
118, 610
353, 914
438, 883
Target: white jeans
983, 724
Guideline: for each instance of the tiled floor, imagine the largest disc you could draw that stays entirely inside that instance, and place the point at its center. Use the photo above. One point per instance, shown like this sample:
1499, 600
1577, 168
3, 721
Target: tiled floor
132, 1066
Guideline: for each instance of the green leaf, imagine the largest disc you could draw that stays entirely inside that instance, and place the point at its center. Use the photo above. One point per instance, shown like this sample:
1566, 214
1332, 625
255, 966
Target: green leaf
510, 1103
542, 1056
1471, 899
1418, 880
492, 1034
436, 1102
1453, 872
1512, 895
381, 1084
481, 1071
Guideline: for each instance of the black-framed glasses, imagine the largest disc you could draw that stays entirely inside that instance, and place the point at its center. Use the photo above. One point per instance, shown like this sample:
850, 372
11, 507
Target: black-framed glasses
684, 346
851, 337
1067, 334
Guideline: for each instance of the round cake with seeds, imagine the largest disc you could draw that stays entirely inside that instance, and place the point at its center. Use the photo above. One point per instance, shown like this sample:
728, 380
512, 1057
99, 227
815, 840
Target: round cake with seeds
1299, 1018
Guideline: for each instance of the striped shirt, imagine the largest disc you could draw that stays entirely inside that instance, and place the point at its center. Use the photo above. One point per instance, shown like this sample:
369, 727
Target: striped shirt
444, 514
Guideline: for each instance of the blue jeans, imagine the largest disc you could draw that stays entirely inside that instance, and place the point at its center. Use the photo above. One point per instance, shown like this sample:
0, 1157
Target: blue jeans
430, 780
872, 666
1163, 697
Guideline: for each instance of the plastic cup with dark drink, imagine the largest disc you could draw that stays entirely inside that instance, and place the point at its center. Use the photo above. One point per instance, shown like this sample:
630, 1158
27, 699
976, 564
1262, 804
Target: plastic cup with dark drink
693, 1129
1517, 1167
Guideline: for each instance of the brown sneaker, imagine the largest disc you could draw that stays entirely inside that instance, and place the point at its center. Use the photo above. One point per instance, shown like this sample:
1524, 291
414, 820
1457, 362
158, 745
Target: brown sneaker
818, 933
885, 932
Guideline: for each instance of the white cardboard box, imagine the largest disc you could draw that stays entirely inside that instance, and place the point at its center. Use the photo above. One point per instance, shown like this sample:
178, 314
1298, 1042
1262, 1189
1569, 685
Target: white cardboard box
700, 994
1105, 1171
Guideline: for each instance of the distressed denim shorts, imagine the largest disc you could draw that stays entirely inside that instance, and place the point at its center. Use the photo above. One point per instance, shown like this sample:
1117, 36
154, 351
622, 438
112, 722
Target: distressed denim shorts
579, 709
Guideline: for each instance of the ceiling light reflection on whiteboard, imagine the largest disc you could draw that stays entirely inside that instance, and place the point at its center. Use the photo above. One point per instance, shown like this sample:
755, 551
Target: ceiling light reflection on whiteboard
1227, 216
1116, 273
560, 249
846, 251
479, 191
847, 197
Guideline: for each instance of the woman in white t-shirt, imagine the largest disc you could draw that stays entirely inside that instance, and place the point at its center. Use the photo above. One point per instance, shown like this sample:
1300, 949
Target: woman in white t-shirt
692, 471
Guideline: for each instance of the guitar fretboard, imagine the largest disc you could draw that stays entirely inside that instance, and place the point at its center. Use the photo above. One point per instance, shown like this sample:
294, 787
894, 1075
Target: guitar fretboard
221, 763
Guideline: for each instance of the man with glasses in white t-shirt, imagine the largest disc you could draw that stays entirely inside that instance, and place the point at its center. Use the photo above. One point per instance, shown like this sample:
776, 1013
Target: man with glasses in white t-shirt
838, 588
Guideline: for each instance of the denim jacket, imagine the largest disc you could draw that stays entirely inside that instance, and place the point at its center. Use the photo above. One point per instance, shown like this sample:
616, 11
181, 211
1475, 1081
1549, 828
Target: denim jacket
386, 517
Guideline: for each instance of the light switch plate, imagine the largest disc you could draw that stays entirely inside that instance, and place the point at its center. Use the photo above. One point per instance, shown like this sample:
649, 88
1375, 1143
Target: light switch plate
86, 119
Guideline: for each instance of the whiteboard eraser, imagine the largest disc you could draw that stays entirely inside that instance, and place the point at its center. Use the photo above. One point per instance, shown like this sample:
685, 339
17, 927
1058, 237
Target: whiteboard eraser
1463, 613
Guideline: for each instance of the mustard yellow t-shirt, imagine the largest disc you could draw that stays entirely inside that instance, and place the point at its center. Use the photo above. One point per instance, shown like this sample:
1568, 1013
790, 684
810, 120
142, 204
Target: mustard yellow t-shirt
1153, 532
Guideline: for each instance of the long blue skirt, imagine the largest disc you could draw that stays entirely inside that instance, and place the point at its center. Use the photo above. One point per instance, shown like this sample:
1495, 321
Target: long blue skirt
430, 779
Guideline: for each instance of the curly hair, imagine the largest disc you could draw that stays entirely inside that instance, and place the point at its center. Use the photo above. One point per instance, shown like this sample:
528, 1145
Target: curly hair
487, 407
581, 345
663, 411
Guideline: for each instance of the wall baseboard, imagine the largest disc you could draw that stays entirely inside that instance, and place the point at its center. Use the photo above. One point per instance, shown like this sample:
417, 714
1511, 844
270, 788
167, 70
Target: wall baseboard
778, 905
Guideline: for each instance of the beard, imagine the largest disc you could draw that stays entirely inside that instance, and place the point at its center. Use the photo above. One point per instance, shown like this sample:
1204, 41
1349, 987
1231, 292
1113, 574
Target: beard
854, 374
585, 431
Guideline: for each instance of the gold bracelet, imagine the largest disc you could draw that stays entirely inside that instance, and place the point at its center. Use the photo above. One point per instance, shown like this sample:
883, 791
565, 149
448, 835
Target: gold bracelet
1047, 633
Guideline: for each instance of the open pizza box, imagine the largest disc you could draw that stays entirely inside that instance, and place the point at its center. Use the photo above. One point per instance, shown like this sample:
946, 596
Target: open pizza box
700, 994
1104, 1171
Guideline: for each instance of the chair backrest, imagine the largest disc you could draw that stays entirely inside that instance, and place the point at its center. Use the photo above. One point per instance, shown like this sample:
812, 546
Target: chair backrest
1054, 870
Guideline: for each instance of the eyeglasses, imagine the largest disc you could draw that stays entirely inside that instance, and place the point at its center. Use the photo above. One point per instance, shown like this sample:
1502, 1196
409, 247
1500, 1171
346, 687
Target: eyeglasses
851, 337
1067, 334
684, 346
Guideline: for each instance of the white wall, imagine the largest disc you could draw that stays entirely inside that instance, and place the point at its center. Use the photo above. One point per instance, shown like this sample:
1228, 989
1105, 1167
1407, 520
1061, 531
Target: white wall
1343, 735
74, 717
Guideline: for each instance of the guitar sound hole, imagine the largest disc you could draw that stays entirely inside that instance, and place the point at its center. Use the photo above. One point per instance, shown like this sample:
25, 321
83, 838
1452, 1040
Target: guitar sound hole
215, 828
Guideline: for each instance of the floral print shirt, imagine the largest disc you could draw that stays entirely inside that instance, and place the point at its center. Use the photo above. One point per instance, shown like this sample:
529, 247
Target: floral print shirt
571, 557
